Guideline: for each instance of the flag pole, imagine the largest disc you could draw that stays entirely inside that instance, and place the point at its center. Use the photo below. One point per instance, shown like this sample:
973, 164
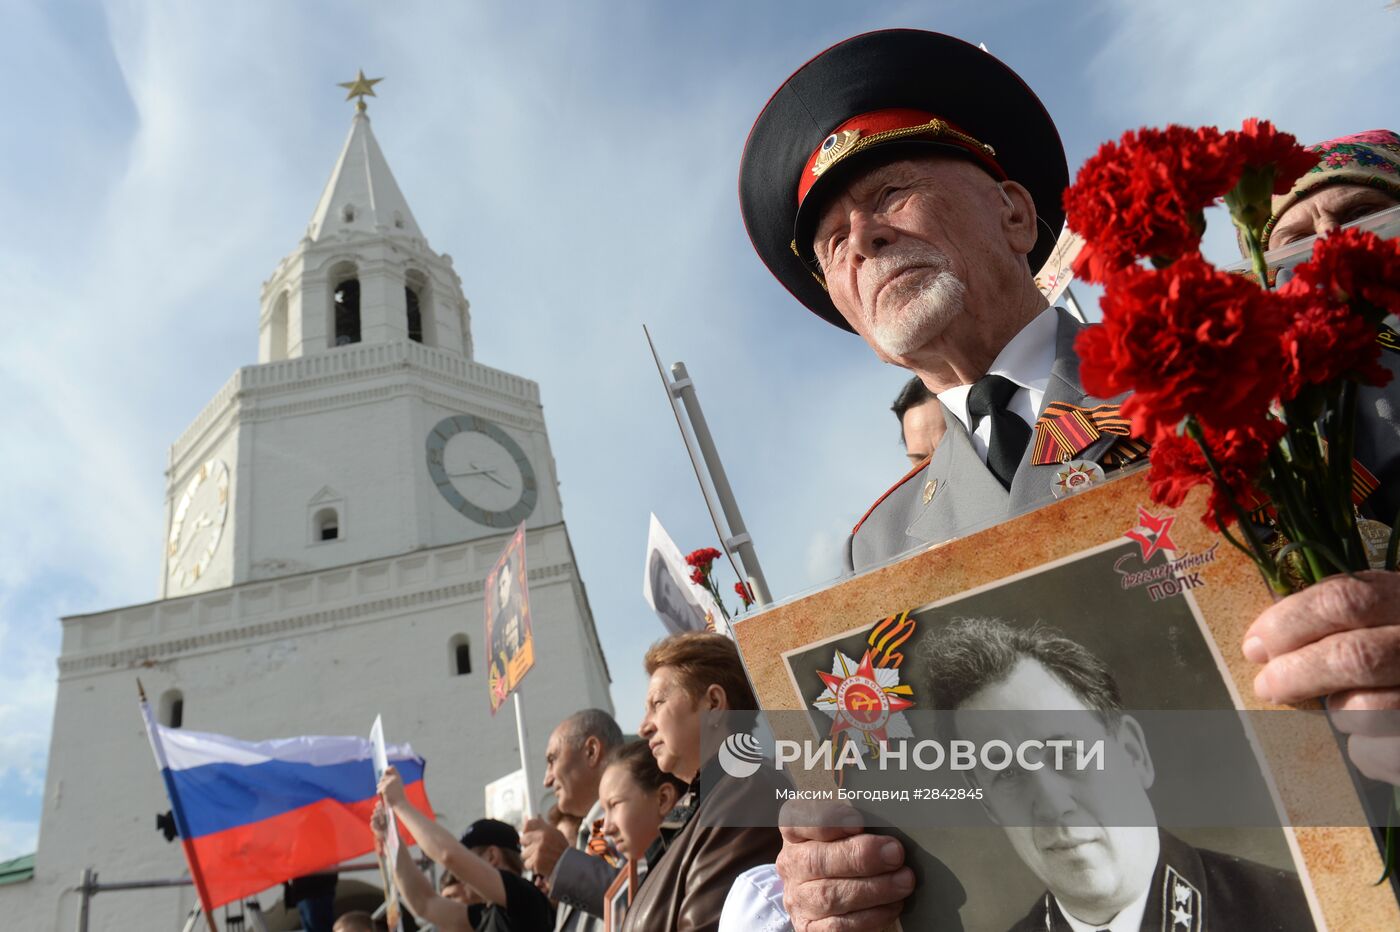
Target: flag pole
524, 754
738, 539
181, 823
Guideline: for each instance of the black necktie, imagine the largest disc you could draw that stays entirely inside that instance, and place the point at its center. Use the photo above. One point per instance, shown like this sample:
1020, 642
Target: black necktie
988, 398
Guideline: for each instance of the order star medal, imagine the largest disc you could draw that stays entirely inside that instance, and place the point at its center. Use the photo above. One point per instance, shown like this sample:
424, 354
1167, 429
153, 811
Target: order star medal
1375, 537
1076, 476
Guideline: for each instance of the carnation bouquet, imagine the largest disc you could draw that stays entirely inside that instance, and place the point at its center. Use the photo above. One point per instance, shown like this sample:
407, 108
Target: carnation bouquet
1245, 388
701, 563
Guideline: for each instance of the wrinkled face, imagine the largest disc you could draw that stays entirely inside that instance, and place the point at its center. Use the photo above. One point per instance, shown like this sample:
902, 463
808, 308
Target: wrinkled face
900, 244
672, 725
1328, 209
1089, 834
568, 770
923, 428
631, 815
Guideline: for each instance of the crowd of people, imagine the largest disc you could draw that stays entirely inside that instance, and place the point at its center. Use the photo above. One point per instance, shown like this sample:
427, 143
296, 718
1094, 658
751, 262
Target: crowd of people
620, 807
915, 217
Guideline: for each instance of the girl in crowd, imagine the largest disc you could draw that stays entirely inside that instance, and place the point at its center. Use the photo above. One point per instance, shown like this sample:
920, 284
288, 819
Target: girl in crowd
636, 797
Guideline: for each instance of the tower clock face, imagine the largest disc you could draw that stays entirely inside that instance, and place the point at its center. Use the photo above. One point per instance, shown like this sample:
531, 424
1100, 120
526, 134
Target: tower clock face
197, 525
481, 471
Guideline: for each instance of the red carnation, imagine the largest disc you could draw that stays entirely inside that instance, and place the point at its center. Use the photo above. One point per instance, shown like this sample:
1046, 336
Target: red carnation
1325, 342
742, 590
1356, 267
1188, 339
697, 576
1145, 196
703, 557
1179, 465
1260, 146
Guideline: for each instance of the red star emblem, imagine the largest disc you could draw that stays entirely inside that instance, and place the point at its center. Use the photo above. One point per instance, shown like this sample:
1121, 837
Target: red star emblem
1152, 533
861, 702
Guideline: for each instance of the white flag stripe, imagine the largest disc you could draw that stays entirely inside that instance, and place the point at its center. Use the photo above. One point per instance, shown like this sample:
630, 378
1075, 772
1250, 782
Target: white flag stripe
188, 749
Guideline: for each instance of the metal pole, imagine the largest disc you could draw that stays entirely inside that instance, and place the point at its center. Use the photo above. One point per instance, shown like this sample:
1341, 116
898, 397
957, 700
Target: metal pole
89, 881
739, 540
524, 756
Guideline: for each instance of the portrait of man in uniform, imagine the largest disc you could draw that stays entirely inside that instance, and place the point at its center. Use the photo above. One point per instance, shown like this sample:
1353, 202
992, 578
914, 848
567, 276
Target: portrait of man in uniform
508, 635
1097, 850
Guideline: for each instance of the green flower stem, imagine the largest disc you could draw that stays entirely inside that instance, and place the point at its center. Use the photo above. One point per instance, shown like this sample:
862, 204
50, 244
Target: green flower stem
1256, 548
1256, 251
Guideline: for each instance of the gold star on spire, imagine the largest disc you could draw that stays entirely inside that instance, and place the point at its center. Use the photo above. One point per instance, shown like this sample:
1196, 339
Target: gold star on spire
361, 87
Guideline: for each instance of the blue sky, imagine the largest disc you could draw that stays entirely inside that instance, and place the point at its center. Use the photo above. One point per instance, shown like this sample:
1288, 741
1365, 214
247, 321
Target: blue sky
578, 161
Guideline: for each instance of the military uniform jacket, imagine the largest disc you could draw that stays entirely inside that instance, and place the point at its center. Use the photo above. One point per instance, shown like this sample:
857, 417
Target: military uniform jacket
1194, 890
955, 493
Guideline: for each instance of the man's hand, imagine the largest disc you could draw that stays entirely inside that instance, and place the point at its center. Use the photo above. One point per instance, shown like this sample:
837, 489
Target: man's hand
1340, 639
379, 825
541, 846
835, 877
391, 788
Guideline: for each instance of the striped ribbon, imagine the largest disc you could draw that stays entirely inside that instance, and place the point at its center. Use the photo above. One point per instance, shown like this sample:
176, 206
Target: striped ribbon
598, 845
1065, 430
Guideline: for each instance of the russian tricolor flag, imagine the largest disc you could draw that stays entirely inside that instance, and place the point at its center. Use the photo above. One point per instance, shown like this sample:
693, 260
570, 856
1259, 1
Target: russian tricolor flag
255, 814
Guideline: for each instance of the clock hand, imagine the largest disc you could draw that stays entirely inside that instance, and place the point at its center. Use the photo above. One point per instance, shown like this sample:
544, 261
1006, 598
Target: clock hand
491, 474
203, 522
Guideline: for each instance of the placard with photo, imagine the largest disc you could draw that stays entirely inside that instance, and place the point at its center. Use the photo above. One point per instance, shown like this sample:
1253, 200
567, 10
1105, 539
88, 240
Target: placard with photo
1106, 604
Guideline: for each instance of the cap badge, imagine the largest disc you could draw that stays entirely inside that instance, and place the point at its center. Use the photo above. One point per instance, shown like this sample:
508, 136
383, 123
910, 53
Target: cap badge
833, 148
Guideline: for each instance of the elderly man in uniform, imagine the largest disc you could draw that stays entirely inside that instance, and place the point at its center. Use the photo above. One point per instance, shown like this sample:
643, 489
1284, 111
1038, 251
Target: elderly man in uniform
904, 185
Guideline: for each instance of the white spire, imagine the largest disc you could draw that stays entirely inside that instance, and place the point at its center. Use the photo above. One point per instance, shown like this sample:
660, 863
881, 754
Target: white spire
362, 195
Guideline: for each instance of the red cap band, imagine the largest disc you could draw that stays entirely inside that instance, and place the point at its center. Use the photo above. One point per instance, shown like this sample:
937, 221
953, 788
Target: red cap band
882, 126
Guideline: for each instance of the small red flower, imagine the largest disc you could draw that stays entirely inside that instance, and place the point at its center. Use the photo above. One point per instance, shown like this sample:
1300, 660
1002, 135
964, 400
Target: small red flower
1260, 146
1145, 196
1326, 341
1187, 340
742, 590
1179, 465
697, 576
1357, 267
703, 557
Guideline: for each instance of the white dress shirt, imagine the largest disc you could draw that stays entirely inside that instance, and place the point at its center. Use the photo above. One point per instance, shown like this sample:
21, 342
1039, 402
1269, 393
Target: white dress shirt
755, 903
1027, 361
1129, 918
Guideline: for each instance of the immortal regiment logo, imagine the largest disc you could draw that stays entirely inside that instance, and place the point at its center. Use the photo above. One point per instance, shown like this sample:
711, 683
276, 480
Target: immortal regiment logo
865, 700
1179, 574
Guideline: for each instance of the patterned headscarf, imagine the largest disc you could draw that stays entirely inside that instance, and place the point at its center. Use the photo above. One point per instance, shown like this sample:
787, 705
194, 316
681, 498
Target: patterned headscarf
1371, 158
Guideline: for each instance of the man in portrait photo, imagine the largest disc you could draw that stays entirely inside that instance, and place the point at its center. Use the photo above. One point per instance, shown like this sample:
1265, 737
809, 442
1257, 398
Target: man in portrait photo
1088, 834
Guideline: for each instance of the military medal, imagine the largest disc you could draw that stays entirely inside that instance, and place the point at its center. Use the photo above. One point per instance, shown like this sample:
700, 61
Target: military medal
1076, 476
930, 487
1375, 538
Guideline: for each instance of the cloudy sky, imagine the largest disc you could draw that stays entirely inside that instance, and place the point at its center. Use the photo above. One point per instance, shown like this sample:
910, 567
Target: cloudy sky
578, 161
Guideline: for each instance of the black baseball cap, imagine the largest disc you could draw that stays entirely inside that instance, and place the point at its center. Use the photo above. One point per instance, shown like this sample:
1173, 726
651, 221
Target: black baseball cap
484, 832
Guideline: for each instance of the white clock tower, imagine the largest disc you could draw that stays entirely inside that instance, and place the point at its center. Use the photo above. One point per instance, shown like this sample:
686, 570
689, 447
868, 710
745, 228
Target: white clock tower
331, 516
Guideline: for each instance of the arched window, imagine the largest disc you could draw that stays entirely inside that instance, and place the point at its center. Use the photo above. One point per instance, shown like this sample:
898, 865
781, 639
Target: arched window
277, 327
172, 709
347, 312
415, 314
327, 524
459, 655
347, 213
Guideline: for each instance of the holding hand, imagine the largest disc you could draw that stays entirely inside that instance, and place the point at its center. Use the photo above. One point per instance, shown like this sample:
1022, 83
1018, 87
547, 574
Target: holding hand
541, 846
1339, 639
391, 788
836, 878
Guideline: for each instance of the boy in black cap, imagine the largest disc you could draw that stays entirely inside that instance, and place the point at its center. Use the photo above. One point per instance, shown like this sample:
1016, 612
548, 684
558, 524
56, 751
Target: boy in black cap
482, 890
